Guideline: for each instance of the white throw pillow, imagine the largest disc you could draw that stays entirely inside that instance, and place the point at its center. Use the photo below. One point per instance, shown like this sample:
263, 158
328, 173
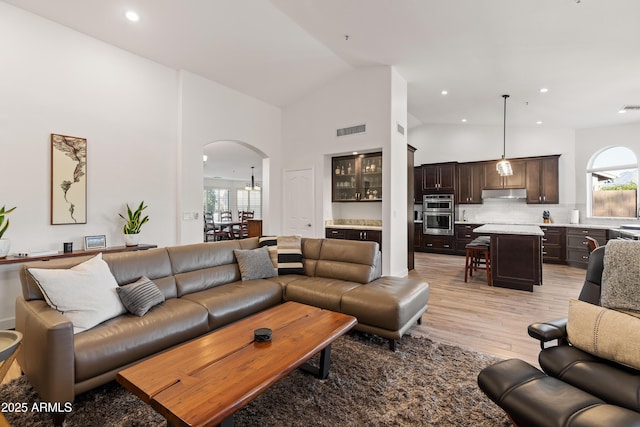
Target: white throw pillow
85, 294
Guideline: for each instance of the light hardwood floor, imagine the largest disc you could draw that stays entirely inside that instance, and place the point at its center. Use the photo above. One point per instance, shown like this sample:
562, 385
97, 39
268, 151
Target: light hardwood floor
482, 318
488, 319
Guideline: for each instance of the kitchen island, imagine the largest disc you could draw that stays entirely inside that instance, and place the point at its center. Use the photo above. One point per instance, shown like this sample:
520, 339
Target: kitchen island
516, 255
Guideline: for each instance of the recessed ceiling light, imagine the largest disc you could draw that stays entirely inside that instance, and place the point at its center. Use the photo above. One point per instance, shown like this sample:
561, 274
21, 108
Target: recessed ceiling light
354, 153
464, 120
622, 111
132, 16
539, 122
444, 92
544, 90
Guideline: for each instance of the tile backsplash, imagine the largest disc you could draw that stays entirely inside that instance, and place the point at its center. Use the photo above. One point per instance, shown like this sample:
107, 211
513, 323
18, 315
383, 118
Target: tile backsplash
512, 211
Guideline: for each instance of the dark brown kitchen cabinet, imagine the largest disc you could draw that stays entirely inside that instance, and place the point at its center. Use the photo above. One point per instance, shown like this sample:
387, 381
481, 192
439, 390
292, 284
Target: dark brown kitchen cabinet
553, 244
464, 235
469, 183
439, 178
493, 181
410, 212
357, 178
354, 234
439, 244
417, 236
542, 180
366, 235
417, 184
578, 247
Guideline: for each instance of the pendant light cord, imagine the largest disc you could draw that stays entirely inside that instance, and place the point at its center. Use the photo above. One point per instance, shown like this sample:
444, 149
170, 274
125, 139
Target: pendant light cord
504, 128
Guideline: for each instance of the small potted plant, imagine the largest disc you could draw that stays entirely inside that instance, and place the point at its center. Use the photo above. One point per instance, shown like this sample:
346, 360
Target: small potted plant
5, 244
133, 223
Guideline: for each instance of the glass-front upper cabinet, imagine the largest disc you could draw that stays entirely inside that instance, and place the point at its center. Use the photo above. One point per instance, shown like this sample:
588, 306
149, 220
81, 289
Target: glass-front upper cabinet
357, 178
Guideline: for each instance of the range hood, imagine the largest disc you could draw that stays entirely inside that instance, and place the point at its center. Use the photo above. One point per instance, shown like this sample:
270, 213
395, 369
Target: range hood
517, 193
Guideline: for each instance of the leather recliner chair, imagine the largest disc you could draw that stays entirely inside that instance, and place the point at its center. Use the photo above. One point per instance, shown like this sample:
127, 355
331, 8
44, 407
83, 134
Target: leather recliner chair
576, 388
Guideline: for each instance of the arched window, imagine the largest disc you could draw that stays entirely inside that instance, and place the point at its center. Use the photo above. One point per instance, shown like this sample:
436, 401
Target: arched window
612, 184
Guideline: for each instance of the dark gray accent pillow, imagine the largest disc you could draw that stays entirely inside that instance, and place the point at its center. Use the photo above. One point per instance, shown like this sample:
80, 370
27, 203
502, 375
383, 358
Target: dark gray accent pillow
255, 263
138, 297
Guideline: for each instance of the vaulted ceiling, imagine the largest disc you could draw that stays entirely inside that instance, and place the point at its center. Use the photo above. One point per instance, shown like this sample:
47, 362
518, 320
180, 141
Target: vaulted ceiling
585, 52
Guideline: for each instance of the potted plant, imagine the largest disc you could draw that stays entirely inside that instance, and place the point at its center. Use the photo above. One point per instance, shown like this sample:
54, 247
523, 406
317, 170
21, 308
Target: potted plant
5, 244
133, 224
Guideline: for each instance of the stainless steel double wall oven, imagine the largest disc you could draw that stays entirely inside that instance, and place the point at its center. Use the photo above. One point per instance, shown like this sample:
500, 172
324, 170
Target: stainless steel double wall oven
438, 215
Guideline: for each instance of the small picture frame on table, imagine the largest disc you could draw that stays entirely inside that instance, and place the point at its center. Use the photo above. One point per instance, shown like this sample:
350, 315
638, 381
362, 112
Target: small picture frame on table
95, 242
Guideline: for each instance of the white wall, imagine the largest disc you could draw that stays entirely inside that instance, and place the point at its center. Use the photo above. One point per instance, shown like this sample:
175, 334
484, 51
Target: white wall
55, 80
145, 124
394, 212
212, 112
361, 96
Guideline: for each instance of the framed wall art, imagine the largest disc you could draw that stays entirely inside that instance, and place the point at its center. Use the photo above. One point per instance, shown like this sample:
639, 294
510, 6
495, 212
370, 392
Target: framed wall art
95, 242
68, 180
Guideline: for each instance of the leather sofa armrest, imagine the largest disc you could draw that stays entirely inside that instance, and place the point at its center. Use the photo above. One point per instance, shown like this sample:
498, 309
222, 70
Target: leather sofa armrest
47, 355
549, 331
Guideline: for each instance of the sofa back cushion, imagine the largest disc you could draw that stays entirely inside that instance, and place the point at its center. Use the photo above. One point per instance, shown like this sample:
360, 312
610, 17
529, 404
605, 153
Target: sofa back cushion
349, 260
310, 255
127, 267
205, 265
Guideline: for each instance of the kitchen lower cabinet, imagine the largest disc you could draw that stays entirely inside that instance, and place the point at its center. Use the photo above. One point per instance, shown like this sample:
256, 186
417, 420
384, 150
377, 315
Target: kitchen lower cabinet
417, 236
516, 261
439, 244
464, 235
354, 234
553, 244
578, 246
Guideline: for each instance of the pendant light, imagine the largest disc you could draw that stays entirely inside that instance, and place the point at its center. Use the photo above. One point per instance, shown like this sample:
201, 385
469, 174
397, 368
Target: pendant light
503, 166
253, 187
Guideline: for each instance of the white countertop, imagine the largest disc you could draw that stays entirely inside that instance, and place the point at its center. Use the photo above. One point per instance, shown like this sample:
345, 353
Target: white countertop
355, 227
554, 224
528, 230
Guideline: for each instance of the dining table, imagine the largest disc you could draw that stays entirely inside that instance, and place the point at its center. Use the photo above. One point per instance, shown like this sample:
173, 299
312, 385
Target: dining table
228, 226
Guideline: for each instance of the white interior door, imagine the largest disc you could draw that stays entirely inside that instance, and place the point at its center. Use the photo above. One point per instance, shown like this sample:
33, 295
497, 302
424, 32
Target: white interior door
299, 202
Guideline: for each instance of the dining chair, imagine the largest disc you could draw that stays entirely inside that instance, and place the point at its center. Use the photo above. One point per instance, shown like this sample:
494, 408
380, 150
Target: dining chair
212, 231
226, 216
242, 231
593, 243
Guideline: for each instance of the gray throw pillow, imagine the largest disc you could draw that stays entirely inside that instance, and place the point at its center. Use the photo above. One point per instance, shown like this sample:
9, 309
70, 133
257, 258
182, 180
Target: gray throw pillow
255, 263
138, 297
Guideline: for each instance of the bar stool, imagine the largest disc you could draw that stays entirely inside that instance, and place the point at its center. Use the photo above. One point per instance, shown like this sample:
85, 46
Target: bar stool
477, 257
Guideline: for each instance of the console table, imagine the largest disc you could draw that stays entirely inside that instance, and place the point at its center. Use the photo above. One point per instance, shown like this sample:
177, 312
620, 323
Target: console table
13, 259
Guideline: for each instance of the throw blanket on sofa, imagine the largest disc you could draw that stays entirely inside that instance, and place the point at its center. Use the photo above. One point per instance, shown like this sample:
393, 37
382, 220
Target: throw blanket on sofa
621, 276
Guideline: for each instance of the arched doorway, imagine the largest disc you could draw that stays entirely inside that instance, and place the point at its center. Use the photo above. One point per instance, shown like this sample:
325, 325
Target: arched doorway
232, 180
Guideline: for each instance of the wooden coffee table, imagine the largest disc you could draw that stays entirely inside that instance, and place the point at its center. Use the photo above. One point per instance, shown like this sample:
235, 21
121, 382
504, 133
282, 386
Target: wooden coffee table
203, 382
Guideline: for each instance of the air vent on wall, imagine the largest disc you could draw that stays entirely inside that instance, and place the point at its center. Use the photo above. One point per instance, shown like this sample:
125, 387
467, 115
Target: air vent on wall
630, 108
400, 129
351, 130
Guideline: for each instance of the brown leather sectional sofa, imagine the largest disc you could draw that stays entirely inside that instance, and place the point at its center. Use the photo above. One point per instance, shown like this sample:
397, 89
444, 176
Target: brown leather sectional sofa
203, 291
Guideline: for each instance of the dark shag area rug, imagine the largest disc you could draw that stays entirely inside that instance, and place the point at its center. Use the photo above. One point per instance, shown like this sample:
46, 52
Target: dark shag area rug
422, 384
